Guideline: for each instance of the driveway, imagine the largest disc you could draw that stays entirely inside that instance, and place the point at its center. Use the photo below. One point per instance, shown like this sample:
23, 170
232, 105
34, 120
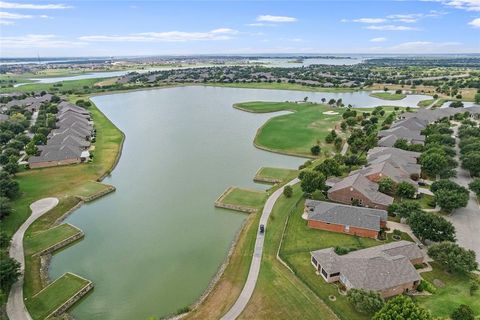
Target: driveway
16, 309
466, 220
249, 286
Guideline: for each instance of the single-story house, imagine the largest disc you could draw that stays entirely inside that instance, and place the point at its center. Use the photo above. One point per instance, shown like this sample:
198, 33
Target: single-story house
356, 187
358, 221
378, 170
387, 269
55, 155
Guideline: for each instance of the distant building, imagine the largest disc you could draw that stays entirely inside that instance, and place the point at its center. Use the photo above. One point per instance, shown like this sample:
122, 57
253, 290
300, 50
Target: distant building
387, 269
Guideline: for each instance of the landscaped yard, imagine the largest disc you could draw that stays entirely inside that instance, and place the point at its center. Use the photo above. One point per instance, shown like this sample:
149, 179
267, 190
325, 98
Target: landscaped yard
266, 174
297, 132
42, 240
455, 292
425, 103
388, 95
89, 189
54, 295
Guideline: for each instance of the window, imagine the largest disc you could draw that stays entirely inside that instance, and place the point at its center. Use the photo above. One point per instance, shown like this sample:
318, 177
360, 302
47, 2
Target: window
324, 273
314, 261
347, 228
336, 274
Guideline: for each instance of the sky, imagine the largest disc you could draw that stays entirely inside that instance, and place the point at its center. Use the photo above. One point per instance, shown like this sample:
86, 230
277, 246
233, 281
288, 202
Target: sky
132, 28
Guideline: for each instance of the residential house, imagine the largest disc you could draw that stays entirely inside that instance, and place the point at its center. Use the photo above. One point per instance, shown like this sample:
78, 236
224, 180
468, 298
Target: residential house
387, 269
329, 216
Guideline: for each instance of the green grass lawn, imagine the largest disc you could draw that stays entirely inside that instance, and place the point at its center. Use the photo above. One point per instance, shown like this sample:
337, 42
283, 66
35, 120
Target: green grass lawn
281, 86
54, 295
245, 197
425, 201
277, 174
425, 103
42, 240
446, 299
89, 188
388, 95
53, 87
293, 133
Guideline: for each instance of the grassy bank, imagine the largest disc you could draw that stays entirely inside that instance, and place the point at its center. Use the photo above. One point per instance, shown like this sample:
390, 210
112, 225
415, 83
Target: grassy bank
294, 133
280, 86
425, 103
275, 175
388, 95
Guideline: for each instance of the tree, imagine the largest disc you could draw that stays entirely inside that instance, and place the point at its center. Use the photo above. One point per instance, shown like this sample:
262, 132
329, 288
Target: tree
11, 167
456, 104
4, 240
475, 186
365, 301
402, 307
451, 199
405, 209
8, 187
477, 98
315, 150
463, 312
5, 207
329, 167
406, 190
444, 184
470, 162
386, 185
428, 226
9, 272
453, 257
288, 191
31, 149
311, 181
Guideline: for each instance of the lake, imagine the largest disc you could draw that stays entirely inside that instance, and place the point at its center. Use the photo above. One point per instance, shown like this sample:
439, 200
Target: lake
154, 245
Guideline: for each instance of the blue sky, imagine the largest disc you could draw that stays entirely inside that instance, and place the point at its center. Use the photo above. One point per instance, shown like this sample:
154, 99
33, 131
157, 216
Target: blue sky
118, 28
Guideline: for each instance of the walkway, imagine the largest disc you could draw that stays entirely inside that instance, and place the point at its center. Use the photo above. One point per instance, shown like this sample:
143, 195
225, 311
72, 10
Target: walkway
466, 220
249, 286
16, 309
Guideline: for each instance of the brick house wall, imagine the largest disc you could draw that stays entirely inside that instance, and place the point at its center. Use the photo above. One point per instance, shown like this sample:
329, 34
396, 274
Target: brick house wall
341, 229
345, 196
398, 289
46, 164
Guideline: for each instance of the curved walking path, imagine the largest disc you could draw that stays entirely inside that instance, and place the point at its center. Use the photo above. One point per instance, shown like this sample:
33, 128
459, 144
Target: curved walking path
16, 309
249, 286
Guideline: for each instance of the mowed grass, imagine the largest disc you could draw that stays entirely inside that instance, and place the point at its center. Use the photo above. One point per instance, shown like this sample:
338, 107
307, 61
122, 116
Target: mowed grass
299, 240
281, 86
425, 103
278, 174
89, 188
388, 95
293, 133
455, 292
44, 239
54, 295
53, 87
278, 293
245, 197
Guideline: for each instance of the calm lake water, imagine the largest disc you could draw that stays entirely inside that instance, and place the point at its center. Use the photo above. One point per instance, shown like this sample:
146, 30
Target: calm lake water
153, 246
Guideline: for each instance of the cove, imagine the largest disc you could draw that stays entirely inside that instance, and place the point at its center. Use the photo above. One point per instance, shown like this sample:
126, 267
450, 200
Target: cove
154, 245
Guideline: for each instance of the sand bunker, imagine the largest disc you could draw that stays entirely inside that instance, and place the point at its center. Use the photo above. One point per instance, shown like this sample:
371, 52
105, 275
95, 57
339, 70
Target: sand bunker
330, 112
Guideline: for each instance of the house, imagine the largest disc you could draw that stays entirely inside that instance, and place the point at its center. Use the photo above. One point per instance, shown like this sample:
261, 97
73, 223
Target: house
358, 188
55, 155
377, 170
363, 222
396, 133
387, 269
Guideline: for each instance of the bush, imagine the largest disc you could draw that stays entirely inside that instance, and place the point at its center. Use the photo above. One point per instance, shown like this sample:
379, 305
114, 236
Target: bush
426, 286
365, 301
315, 150
463, 312
342, 250
288, 191
453, 257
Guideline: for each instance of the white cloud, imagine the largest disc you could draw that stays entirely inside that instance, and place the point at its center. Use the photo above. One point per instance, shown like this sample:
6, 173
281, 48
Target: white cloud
14, 5
169, 36
475, 23
370, 20
260, 24
468, 5
416, 47
381, 39
269, 18
38, 41
390, 27
15, 16
6, 23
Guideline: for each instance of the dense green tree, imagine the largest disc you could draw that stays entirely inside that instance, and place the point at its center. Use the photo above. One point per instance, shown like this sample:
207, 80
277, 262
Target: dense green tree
449, 200
463, 312
365, 301
386, 185
288, 191
402, 308
315, 150
453, 257
8, 187
475, 186
311, 181
11, 167
456, 104
5, 207
429, 226
329, 167
9, 272
471, 161
406, 190
4, 240
434, 164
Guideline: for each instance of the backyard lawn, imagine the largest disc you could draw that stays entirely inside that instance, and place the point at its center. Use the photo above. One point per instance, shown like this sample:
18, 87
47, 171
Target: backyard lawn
274, 175
456, 291
425, 103
244, 197
54, 295
297, 132
89, 189
388, 95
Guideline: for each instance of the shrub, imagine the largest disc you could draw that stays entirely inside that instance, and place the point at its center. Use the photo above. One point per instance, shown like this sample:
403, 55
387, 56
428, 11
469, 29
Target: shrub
341, 250
288, 191
426, 286
463, 312
365, 301
315, 150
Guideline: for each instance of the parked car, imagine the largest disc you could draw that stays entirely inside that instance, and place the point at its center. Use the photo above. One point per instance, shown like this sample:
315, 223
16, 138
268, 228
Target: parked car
262, 228
421, 183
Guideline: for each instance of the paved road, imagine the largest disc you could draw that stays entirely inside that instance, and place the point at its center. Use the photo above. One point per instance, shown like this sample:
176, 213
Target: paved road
249, 286
466, 220
16, 309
